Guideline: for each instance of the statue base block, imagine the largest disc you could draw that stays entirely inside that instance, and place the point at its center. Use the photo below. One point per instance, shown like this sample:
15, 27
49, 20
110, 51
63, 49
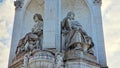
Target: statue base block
80, 59
49, 58
42, 59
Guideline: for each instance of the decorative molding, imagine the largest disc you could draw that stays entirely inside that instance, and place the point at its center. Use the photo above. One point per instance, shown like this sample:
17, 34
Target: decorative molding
104, 67
97, 2
18, 3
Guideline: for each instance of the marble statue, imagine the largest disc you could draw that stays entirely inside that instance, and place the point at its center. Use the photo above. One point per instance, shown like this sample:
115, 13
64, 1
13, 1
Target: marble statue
38, 28
33, 39
73, 33
21, 44
31, 42
90, 43
66, 27
27, 42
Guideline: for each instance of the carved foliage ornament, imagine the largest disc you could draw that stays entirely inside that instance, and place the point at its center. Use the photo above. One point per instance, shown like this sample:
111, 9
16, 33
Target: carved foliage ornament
18, 3
97, 1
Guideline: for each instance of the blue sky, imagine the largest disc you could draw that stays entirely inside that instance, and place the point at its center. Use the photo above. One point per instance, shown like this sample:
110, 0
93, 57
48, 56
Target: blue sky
111, 26
1, 0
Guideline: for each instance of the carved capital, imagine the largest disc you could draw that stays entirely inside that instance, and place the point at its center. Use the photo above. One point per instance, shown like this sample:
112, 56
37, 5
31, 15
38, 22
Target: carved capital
97, 2
18, 4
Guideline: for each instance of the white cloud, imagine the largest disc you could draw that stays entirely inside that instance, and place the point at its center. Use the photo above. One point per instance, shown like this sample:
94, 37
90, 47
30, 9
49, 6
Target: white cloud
6, 24
7, 13
111, 19
106, 4
4, 55
3, 31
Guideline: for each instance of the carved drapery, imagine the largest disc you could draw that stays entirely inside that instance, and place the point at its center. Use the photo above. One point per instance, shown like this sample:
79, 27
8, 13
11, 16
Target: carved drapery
74, 35
34, 39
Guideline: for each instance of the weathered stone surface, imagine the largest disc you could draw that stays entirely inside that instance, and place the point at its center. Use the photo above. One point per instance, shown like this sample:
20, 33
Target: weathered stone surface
45, 46
44, 59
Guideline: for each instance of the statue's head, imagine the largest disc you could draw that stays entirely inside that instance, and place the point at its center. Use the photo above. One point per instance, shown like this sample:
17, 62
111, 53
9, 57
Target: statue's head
32, 38
37, 17
71, 15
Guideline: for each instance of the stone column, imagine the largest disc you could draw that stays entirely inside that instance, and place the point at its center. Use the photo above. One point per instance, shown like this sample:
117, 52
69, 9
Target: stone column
58, 27
51, 24
16, 32
98, 29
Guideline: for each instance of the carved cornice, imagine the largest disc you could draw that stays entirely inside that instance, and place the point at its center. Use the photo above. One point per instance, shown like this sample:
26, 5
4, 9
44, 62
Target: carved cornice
97, 2
104, 67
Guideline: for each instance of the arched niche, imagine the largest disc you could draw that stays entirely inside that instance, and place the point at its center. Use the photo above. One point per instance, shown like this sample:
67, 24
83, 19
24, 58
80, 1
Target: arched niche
32, 7
81, 10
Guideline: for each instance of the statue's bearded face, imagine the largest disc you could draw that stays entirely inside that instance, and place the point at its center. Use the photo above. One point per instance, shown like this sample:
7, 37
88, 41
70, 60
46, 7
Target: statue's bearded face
32, 40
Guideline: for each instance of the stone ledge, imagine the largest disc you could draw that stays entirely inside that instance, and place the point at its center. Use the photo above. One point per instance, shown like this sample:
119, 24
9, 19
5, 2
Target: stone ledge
73, 54
81, 60
104, 67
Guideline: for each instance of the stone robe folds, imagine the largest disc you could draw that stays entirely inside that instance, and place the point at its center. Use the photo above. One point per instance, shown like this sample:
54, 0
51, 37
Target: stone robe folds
75, 35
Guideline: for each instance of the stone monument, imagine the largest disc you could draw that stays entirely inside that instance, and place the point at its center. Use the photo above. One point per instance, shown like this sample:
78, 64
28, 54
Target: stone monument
57, 34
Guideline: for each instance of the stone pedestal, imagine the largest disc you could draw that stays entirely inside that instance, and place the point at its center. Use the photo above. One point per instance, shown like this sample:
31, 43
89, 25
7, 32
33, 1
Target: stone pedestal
37, 59
80, 59
80, 64
41, 59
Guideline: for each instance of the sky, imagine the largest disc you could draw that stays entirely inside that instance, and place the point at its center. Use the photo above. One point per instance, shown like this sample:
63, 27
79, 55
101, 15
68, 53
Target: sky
111, 28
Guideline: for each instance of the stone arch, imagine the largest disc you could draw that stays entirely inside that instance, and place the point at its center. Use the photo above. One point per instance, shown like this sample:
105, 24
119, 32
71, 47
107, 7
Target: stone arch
83, 10
29, 8
27, 3
90, 4
91, 24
